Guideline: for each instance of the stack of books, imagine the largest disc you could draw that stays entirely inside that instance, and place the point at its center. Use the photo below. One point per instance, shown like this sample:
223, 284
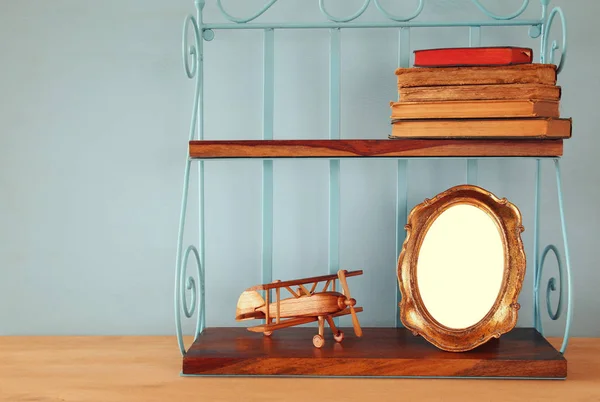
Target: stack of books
493, 92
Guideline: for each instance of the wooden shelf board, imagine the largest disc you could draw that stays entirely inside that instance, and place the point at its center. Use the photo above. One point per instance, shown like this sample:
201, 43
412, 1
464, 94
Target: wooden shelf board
381, 352
409, 148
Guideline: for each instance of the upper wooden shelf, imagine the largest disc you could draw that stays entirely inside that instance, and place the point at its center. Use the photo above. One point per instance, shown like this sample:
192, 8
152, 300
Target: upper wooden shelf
410, 148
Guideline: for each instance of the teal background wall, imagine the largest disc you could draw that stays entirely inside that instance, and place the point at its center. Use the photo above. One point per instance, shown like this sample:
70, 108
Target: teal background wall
94, 116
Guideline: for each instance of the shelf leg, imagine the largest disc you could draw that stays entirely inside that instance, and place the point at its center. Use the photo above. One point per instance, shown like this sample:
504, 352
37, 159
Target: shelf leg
537, 322
564, 270
567, 259
193, 64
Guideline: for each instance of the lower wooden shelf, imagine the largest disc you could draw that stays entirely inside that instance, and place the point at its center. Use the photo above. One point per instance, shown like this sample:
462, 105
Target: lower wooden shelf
381, 352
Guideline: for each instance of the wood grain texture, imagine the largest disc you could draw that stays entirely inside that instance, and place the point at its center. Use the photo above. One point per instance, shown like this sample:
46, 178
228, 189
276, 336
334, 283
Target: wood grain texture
373, 148
146, 369
380, 352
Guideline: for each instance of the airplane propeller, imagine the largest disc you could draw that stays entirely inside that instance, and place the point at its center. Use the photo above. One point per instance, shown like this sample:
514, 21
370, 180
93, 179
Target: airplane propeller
350, 302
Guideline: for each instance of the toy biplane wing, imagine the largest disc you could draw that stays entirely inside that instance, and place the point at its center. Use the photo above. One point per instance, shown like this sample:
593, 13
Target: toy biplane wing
329, 279
292, 322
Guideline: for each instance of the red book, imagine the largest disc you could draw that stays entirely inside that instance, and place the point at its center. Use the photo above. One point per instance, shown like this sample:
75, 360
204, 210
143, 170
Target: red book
473, 56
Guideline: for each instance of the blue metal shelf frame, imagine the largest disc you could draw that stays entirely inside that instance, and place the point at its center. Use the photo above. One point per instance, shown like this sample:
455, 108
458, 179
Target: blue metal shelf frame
200, 31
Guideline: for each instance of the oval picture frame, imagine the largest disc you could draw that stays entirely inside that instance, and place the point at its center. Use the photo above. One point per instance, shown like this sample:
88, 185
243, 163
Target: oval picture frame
503, 315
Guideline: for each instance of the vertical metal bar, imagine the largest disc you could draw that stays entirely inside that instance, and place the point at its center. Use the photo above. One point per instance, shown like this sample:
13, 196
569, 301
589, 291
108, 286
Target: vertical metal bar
334, 164
472, 164
404, 47
567, 257
474, 36
200, 136
334, 216
402, 174
202, 243
536, 247
472, 170
267, 222
543, 32
267, 168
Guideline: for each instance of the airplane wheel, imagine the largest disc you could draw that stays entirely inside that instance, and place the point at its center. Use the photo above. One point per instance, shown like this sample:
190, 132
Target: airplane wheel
318, 341
268, 333
339, 336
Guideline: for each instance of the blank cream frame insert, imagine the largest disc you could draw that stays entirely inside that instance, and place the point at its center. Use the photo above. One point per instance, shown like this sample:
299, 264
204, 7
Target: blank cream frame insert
461, 251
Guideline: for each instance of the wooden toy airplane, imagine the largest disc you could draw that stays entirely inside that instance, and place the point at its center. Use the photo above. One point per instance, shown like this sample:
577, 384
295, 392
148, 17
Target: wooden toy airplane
303, 307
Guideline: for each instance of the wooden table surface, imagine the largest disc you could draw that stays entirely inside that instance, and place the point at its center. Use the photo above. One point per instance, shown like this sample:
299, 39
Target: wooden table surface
113, 369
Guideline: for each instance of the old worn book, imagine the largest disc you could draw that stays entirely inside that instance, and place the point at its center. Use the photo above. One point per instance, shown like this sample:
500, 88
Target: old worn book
518, 74
479, 92
526, 128
473, 56
474, 109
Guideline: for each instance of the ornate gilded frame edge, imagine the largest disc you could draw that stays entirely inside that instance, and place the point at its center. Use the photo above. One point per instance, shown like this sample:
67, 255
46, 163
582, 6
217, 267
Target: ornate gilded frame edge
503, 315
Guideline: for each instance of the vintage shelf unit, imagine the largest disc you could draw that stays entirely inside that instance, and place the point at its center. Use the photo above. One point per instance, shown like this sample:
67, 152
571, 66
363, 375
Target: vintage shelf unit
392, 352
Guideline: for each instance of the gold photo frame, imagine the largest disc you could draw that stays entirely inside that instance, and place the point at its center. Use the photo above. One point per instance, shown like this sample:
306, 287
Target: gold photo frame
441, 310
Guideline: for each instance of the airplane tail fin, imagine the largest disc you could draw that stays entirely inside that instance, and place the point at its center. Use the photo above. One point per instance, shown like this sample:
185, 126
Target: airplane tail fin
247, 305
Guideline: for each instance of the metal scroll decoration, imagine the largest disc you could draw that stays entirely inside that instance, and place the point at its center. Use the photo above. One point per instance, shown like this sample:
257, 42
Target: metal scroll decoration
564, 272
343, 19
190, 52
547, 55
184, 283
392, 17
502, 17
552, 282
380, 8
244, 20
187, 283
